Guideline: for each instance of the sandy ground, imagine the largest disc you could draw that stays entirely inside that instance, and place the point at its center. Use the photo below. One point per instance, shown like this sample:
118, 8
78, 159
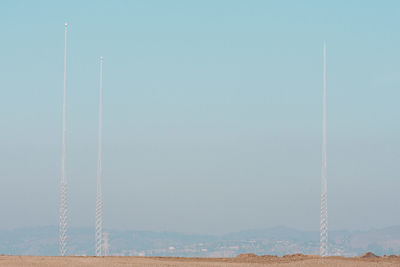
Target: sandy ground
244, 261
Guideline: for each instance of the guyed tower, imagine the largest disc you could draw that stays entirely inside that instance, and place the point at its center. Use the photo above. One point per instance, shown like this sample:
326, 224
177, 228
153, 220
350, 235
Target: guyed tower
99, 200
324, 185
63, 203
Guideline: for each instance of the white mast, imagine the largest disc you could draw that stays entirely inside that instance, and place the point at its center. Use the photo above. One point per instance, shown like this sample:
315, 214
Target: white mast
63, 204
324, 186
99, 201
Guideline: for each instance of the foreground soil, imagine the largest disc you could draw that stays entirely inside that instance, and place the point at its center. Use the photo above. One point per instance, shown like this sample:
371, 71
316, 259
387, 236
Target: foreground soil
244, 260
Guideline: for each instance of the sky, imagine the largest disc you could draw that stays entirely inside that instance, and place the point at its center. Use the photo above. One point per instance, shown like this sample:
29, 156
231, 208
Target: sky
212, 113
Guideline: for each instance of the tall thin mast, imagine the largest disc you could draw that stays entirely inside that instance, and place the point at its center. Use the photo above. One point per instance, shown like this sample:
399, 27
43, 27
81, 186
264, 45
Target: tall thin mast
63, 204
324, 186
99, 201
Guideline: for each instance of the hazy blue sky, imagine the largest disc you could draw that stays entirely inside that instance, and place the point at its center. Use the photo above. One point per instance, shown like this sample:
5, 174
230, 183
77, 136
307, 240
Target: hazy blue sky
212, 113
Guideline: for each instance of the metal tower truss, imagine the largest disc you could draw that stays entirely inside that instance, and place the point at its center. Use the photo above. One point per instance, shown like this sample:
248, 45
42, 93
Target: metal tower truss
324, 182
99, 200
63, 204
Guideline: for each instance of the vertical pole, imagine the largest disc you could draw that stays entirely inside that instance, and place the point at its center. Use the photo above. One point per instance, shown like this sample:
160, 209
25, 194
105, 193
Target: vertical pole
63, 205
99, 201
324, 184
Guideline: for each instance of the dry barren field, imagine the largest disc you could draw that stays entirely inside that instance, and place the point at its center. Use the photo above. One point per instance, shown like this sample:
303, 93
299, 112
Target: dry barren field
246, 260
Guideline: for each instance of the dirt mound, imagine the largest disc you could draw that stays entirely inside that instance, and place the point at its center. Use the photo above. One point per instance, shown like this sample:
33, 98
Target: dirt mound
246, 256
296, 256
369, 255
269, 257
393, 256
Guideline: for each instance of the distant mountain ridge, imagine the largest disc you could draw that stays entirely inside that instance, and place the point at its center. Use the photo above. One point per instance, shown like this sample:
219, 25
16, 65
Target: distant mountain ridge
275, 241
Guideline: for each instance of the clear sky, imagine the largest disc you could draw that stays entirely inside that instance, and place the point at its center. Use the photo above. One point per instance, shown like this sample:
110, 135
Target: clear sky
212, 113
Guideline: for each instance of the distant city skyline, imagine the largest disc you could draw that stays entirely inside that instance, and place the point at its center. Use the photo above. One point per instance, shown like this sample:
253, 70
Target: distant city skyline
213, 120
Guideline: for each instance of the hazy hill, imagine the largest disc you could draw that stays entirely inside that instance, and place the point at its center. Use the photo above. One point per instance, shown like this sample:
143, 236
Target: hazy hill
277, 241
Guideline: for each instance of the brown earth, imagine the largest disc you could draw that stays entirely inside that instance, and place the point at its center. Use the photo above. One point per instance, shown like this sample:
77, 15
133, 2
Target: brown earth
243, 260
368, 255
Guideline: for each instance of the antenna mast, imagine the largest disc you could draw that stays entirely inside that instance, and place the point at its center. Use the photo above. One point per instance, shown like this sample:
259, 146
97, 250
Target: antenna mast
99, 201
63, 204
324, 186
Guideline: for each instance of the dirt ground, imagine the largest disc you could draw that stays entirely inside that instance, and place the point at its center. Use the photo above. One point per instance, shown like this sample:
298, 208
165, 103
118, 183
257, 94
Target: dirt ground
246, 260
